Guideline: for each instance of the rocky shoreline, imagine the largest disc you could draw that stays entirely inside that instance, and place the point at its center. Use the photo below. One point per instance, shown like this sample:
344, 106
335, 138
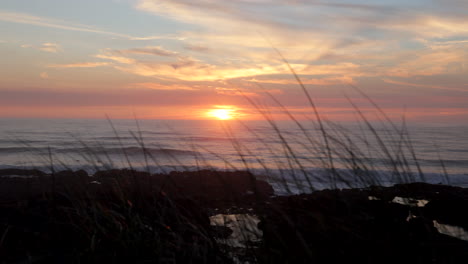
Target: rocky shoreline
121, 216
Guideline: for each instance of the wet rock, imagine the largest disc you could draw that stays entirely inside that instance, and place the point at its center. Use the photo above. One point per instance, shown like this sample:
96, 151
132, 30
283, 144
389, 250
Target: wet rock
345, 226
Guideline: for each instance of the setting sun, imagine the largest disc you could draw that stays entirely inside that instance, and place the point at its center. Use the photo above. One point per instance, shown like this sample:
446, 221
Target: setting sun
222, 114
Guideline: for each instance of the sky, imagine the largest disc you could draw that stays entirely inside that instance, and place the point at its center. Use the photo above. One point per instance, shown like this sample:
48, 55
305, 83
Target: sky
185, 59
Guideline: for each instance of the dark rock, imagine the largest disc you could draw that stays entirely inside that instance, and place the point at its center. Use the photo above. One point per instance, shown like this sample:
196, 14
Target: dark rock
333, 226
448, 211
218, 184
21, 172
135, 217
115, 173
222, 232
70, 173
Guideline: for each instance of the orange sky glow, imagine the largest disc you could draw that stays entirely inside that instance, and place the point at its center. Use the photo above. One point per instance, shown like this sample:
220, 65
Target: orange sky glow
225, 59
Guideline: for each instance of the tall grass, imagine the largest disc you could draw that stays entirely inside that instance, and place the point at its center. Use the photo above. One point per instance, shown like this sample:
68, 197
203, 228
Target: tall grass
135, 220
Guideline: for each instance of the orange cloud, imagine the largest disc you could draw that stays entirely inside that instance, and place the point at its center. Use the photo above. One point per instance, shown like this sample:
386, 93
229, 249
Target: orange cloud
79, 65
120, 59
323, 81
47, 47
188, 69
158, 86
50, 47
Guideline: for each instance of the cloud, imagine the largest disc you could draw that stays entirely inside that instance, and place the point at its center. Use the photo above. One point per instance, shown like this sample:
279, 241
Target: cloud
327, 43
120, 59
184, 67
304, 27
196, 71
47, 47
197, 48
155, 50
438, 87
241, 31
316, 81
431, 62
235, 92
429, 26
158, 37
351, 40
50, 47
24, 18
79, 65
176, 66
228, 22
158, 86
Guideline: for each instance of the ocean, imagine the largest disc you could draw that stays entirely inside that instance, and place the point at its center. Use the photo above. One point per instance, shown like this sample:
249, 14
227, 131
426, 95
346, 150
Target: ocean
284, 153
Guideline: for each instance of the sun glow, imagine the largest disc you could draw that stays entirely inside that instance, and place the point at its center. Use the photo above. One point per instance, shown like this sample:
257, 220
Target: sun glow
221, 114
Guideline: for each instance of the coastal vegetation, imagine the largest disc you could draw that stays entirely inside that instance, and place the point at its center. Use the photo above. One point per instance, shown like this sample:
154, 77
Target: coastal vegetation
346, 213
244, 131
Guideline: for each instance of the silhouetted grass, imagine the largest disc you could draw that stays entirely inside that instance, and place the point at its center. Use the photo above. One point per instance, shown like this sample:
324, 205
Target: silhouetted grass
121, 216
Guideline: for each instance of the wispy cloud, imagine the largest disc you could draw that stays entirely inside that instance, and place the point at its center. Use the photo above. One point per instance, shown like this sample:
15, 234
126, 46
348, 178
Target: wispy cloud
80, 65
50, 47
317, 81
120, 59
197, 48
196, 71
306, 31
431, 62
47, 47
24, 18
182, 67
438, 87
151, 50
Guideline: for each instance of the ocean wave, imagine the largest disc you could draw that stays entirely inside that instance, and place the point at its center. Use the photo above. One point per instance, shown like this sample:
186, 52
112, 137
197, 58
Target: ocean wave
146, 132
134, 150
131, 150
115, 138
446, 162
12, 150
20, 141
206, 139
458, 150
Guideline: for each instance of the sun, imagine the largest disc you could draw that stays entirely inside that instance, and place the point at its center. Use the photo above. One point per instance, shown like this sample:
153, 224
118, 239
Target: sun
221, 114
